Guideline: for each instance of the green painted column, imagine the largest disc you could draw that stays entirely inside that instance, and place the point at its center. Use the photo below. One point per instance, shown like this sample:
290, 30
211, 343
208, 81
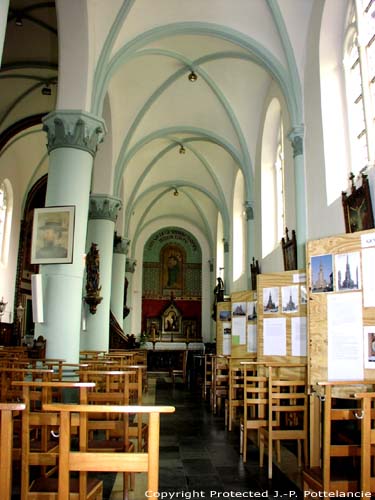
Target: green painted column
120, 249
129, 270
73, 137
296, 138
4, 7
100, 230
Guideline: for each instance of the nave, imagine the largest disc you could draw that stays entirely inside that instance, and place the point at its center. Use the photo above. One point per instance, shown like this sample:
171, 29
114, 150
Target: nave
199, 458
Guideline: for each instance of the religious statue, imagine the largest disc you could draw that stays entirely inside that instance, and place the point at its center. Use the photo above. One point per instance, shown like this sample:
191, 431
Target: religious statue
218, 296
92, 278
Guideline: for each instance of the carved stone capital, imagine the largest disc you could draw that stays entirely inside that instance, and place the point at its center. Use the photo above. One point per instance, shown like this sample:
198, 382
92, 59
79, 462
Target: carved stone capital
296, 138
130, 265
74, 129
105, 207
121, 246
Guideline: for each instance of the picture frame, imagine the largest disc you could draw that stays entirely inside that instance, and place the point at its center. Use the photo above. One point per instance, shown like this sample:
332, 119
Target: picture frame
53, 235
357, 206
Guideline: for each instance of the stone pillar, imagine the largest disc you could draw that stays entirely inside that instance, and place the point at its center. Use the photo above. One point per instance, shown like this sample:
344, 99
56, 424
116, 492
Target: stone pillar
296, 139
73, 137
4, 6
100, 230
120, 249
130, 269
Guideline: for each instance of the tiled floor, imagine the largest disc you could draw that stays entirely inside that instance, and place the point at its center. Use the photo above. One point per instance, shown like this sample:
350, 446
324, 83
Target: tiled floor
199, 458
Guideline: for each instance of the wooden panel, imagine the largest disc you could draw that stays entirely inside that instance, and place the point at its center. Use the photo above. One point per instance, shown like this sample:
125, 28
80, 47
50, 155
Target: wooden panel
317, 304
279, 280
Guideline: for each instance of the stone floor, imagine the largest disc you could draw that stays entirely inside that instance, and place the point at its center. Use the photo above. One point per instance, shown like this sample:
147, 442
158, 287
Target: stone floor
199, 458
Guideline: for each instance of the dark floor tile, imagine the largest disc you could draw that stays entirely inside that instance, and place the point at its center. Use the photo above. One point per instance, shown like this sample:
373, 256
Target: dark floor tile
198, 466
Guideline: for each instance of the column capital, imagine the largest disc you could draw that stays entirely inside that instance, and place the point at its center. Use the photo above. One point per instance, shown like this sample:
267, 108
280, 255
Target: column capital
103, 206
130, 265
296, 138
74, 129
121, 246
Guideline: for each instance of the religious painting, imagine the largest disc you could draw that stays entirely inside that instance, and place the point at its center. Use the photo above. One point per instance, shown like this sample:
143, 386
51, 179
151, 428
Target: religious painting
357, 207
52, 237
172, 269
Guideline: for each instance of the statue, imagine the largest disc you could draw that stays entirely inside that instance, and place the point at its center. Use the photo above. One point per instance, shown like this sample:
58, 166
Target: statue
92, 278
218, 296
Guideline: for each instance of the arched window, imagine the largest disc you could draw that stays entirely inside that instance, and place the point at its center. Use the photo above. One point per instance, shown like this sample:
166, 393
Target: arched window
238, 226
6, 205
272, 178
359, 63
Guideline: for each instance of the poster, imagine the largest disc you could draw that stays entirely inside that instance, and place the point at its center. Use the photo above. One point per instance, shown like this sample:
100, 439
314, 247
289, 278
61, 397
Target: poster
299, 336
345, 336
251, 338
274, 337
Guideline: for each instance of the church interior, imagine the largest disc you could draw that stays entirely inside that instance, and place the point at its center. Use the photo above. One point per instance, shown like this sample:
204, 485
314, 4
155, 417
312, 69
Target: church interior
187, 248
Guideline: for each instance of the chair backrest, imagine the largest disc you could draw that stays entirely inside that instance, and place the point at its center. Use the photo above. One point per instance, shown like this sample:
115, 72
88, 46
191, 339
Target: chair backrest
366, 415
107, 461
287, 408
289, 248
6, 446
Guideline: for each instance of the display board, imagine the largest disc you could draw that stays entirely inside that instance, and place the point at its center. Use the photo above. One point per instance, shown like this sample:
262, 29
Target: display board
244, 324
282, 322
224, 328
341, 307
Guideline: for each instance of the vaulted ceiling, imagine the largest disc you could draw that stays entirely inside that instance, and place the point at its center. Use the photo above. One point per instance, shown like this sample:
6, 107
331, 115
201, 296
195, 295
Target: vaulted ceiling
183, 93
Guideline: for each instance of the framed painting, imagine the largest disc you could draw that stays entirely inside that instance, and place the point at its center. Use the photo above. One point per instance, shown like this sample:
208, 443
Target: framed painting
52, 236
357, 207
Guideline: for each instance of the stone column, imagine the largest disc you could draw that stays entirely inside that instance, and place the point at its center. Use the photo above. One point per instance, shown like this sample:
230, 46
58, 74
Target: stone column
4, 6
296, 139
120, 249
73, 137
100, 230
130, 269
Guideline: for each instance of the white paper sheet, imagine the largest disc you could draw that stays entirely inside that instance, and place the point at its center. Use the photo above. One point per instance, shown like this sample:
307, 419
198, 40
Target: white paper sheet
299, 336
368, 273
227, 344
274, 337
251, 338
345, 336
239, 328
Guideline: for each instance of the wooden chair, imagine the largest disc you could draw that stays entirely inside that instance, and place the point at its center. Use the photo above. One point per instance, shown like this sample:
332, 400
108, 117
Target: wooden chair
84, 460
235, 392
287, 416
112, 433
255, 415
289, 248
366, 415
6, 446
207, 378
220, 382
181, 370
40, 449
340, 443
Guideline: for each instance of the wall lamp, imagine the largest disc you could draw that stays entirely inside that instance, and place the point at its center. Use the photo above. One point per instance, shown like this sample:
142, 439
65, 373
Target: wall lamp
192, 76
